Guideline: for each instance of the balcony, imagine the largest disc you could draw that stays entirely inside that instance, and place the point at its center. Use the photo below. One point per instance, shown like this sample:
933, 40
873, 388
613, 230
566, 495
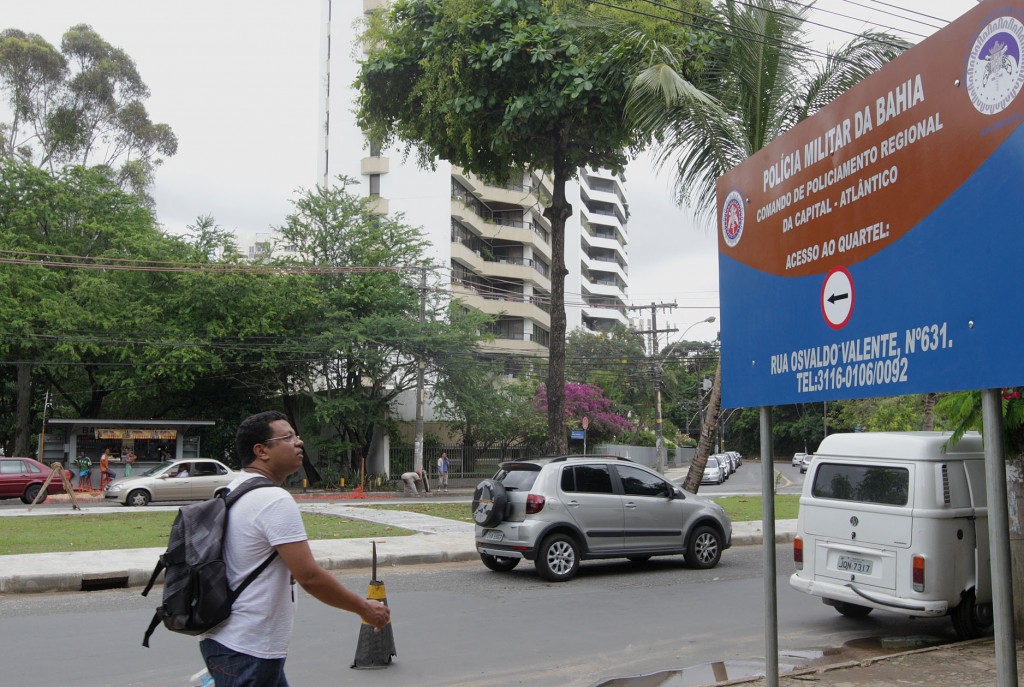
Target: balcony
374, 165
500, 303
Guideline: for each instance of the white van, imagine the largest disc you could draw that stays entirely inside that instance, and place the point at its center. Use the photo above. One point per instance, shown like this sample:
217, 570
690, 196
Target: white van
897, 521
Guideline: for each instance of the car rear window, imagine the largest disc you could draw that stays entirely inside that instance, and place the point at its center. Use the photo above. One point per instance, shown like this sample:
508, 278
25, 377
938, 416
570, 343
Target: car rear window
517, 476
885, 485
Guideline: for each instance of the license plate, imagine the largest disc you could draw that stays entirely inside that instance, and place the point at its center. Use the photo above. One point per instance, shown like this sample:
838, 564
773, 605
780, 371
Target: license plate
852, 564
493, 535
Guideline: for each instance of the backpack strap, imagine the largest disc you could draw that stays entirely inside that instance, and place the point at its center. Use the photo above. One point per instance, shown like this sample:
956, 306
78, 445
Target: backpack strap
233, 496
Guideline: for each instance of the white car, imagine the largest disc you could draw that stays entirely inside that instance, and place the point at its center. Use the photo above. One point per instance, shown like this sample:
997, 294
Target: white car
713, 472
192, 479
798, 458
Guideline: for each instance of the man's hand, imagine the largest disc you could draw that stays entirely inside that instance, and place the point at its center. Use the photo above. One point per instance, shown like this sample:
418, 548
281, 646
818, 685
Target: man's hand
376, 614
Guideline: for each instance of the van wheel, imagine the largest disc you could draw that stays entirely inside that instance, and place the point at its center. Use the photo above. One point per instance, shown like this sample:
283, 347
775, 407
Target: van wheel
558, 558
852, 610
499, 563
704, 549
971, 619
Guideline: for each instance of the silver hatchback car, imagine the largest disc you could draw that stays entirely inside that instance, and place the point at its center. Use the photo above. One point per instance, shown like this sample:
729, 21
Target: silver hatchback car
559, 511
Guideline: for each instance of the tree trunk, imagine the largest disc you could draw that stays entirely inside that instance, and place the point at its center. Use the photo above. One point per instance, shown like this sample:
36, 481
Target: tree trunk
23, 412
707, 434
1015, 506
929, 415
557, 213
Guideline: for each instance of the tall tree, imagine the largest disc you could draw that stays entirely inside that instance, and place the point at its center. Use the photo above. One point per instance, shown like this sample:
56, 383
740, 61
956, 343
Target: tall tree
366, 329
760, 82
496, 86
81, 105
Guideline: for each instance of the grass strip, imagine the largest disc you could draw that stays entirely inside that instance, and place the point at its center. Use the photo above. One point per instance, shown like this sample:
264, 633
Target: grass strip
144, 530
739, 508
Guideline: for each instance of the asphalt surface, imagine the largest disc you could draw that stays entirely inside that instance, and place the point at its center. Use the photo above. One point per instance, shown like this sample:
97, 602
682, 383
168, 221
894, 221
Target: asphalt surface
437, 540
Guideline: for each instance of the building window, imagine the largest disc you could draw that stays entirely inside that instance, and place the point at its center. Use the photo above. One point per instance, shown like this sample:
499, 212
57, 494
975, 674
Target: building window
374, 185
374, 149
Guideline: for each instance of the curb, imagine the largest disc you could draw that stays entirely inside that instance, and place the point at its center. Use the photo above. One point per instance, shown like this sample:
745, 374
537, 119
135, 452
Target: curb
809, 673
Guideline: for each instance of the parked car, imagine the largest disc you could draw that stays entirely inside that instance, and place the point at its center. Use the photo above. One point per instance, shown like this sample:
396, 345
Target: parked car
23, 478
196, 479
897, 521
805, 462
561, 510
798, 458
713, 472
725, 462
737, 458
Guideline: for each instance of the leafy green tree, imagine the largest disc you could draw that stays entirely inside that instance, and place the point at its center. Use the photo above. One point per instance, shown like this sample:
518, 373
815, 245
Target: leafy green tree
362, 315
759, 83
81, 105
486, 409
68, 326
616, 362
496, 86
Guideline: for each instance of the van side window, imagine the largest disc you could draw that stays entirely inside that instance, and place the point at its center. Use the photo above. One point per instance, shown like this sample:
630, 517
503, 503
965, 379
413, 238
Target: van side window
888, 486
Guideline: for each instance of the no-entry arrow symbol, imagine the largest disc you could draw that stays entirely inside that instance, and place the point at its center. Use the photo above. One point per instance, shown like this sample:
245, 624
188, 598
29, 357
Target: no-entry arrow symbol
837, 306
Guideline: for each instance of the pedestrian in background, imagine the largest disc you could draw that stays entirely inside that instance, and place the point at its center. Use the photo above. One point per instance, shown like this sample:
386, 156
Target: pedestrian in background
84, 465
129, 460
105, 471
412, 480
442, 472
250, 647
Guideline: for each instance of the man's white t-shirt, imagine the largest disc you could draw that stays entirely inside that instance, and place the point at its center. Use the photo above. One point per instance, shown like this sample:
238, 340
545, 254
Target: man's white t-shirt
262, 618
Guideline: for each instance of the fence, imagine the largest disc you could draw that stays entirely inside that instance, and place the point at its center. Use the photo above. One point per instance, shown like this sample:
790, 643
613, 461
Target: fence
463, 462
466, 463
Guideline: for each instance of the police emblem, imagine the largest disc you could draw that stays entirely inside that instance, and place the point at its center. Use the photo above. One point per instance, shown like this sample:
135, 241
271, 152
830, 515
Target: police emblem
732, 218
993, 73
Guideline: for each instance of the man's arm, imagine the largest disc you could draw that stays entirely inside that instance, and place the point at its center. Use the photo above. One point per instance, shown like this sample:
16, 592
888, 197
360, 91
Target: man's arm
324, 587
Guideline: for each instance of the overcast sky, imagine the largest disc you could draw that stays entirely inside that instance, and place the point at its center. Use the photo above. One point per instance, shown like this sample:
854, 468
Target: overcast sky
238, 83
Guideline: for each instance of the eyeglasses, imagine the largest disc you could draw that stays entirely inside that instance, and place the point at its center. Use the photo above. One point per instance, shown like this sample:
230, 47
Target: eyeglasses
289, 438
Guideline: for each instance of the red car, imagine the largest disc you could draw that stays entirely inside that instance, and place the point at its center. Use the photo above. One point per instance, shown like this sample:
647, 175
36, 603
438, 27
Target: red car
24, 477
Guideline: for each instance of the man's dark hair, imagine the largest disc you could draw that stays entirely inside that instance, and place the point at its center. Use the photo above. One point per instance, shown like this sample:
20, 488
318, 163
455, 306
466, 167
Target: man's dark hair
254, 429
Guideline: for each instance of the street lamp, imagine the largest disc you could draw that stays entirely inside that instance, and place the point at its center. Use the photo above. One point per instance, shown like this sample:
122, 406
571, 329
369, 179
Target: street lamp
659, 439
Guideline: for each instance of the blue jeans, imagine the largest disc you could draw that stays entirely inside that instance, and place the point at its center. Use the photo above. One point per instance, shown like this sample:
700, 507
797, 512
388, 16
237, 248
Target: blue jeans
230, 668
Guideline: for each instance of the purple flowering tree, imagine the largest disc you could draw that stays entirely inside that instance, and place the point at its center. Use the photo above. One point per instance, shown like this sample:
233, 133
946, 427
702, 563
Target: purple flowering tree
587, 401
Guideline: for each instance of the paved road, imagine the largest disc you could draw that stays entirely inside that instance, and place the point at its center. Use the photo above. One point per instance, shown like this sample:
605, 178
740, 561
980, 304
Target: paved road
461, 624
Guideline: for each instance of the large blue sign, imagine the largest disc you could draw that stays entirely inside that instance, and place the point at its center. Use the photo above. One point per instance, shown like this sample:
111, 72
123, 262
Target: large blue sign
873, 250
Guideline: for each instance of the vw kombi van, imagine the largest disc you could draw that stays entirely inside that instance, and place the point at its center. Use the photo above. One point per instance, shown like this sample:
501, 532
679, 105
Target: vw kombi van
897, 521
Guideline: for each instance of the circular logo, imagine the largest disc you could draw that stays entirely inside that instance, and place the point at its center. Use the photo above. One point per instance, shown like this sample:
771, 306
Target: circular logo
732, 218
994, 76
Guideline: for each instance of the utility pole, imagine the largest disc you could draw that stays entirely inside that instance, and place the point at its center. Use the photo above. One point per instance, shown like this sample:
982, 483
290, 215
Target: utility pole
417, 454
659, 440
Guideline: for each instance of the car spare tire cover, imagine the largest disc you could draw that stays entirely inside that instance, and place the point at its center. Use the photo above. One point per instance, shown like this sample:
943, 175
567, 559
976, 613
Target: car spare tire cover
489, 501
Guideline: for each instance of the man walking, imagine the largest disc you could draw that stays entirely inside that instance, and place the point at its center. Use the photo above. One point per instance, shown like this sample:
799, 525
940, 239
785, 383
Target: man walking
442, 472
250, 647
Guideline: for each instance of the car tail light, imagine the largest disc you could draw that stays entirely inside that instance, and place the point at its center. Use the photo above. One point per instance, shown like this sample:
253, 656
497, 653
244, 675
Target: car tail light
534, 504
918, 573
798, 552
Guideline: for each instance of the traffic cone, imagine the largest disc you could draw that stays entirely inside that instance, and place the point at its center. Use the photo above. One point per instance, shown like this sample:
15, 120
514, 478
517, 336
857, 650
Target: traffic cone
375, 647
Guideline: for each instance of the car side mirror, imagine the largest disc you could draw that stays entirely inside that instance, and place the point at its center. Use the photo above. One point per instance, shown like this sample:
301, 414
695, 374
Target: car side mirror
677, 492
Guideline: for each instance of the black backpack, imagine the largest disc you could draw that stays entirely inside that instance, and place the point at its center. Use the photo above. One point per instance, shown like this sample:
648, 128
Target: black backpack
197, 596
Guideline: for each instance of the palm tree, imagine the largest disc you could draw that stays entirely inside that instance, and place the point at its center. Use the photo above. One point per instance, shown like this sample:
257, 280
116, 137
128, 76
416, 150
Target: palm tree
759, 82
